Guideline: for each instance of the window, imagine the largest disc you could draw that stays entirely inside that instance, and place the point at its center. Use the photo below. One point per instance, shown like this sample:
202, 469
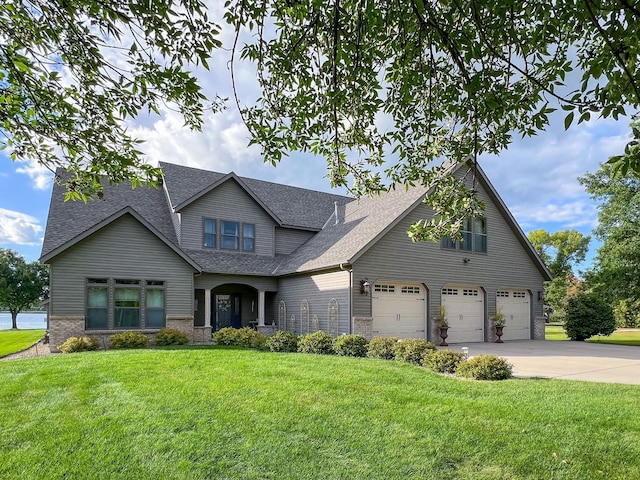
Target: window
123, 303
384, 288
233, 235
230, 235
480, 244
473, 237
126, 311
97, 303
155, 317
209, 236
248, 237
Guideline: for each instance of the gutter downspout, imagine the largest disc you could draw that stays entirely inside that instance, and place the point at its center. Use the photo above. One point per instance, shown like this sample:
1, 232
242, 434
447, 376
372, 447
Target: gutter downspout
349, 293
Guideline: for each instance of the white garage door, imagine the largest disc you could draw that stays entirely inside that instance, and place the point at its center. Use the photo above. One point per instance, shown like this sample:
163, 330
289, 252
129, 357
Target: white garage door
465, 313
399, 310
516, 307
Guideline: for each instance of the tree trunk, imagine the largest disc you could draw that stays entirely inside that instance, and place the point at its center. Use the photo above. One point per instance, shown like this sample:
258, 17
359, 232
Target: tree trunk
14, 319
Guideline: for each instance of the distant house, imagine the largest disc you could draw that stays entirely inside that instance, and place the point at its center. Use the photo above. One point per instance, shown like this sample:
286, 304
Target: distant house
208, 250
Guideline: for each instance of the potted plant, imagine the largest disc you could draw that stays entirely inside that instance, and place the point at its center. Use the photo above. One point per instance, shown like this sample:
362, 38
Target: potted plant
498, 322
444, 326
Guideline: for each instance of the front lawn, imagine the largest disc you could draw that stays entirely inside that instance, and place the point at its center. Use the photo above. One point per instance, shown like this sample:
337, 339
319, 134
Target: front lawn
619, 337
12, 341
197, 413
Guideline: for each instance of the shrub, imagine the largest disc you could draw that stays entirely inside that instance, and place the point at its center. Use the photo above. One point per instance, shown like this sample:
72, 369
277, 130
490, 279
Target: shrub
382, 347
588, 315
171, 336
485, 367
351, 345
282, 341
411, 350
241, 337
316, 342
442, 361
226, 336
79, 344
627, 313
129, 339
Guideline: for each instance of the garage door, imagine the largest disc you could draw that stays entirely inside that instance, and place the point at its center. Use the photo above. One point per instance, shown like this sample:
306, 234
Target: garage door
516, 306
465, 312
399, 310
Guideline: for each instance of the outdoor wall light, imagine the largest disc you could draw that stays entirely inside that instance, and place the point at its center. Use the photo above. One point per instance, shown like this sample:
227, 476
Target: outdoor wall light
365, 287
466, 260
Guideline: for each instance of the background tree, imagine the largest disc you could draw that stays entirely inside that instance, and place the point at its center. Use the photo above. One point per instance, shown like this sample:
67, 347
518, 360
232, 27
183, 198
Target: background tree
22, 284
73, 73
615, 274
561, 252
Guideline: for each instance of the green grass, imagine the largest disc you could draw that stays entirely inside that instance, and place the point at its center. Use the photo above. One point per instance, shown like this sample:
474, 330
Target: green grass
220, 413
12, 341
619, 337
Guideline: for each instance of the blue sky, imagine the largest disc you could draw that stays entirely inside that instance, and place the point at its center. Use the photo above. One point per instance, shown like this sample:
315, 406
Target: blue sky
536, 177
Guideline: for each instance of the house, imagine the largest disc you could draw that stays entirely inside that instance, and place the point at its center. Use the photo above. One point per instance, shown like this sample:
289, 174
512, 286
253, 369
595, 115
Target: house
208, 250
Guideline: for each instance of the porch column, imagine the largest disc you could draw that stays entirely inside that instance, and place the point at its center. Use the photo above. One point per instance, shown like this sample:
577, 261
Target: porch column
261, 308
207, 307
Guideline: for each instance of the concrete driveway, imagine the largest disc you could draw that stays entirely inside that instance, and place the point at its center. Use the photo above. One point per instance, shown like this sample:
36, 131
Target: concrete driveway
568, 360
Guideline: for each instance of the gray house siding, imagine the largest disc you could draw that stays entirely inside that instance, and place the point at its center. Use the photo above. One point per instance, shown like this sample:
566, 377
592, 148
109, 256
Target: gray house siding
288, 239
318, 290
227, 202
123, 249
507, 264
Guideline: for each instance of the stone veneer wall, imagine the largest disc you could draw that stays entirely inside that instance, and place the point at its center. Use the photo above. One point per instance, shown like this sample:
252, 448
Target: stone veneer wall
363, 326
61, 328
539, 325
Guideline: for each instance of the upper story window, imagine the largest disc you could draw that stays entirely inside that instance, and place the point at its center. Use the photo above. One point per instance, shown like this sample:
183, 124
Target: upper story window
248, 237
233, 235
473, 237
229, 235
209, 234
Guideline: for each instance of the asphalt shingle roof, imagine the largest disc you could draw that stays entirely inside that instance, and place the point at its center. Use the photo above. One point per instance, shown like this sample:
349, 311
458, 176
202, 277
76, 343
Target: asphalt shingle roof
361, 222
295, 207
68, 220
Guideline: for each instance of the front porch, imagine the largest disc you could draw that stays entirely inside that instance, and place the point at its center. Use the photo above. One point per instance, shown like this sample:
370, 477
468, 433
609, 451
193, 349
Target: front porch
234, 305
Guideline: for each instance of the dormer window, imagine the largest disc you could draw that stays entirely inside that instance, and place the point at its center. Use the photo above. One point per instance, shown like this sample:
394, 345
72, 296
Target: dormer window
473, 237
233, 235
209, 236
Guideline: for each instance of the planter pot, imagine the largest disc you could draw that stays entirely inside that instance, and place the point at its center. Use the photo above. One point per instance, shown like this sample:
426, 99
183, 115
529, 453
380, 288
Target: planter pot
499, 334
443, 336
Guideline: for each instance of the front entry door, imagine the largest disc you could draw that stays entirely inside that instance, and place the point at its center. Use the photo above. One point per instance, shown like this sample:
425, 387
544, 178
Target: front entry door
228, 311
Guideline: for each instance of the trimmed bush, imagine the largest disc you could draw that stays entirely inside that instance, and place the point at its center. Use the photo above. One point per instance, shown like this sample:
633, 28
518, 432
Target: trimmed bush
240, 337
383, 348
485, 367
587, 315
171, 336
79, 344
412, 350
129, 339
282, 341
351, 345
317, 342
442, 361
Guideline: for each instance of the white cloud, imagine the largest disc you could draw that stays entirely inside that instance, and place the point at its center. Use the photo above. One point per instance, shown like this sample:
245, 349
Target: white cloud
40, 176
19, 228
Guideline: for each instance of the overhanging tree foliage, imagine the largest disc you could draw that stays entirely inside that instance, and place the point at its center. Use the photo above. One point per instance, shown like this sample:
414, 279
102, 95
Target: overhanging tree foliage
357, 81
73, 72
22, 284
